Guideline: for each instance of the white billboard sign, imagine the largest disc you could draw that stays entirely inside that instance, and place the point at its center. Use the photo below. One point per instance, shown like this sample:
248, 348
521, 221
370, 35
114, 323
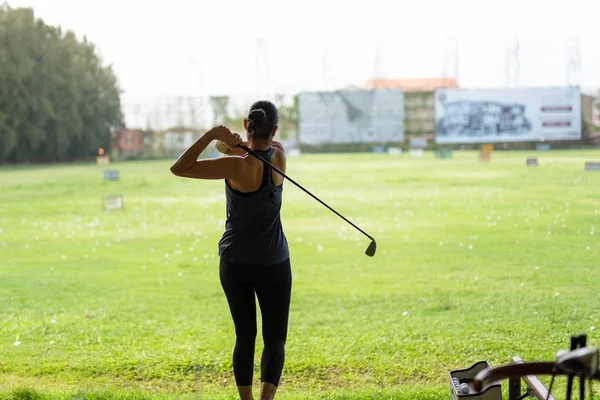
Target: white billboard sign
351, 116
507, 115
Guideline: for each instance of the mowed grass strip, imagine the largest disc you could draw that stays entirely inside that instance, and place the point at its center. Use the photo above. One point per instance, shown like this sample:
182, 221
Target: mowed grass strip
475, 261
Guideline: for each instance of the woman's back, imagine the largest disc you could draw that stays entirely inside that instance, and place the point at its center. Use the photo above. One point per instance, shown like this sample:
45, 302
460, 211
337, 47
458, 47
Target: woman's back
253, 170
253, 231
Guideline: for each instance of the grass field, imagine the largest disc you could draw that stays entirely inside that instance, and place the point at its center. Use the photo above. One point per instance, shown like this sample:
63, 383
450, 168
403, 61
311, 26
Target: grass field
476, 261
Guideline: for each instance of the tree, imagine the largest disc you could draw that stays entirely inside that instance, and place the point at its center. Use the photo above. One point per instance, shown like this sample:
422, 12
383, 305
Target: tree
57, 99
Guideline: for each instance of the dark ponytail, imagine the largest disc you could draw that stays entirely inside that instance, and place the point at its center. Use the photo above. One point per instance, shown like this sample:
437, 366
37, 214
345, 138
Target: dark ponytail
262, 118
256, 119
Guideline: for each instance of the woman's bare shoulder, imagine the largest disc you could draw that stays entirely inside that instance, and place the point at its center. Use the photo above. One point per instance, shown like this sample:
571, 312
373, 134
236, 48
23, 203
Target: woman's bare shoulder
278, 146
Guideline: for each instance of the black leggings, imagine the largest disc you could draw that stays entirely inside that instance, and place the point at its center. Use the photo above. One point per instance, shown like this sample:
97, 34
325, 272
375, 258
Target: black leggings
272, 285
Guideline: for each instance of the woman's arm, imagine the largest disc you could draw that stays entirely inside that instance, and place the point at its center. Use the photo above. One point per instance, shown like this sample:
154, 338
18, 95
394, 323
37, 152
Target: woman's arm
188, 166
189, 157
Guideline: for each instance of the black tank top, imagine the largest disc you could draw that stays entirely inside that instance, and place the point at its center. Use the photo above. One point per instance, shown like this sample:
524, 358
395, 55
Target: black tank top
253, 232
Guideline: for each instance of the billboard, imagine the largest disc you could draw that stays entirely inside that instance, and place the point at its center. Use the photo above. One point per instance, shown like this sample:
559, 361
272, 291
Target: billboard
351, 116
507, 115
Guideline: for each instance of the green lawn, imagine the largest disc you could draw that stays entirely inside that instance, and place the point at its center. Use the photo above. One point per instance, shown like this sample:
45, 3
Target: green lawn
475, 261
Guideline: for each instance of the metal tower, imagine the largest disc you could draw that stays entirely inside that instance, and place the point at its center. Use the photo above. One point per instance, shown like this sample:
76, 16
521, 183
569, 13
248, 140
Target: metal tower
573, 61
512, 63
450, 69
262, 68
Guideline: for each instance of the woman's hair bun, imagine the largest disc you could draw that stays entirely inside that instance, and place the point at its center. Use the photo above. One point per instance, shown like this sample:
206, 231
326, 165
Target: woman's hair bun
262, 118
256, 118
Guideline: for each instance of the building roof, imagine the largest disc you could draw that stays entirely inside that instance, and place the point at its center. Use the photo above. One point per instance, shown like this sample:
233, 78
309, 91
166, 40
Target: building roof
412, 85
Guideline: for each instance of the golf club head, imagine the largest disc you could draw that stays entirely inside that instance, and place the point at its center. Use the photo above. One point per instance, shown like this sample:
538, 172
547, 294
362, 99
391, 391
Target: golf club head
371, 249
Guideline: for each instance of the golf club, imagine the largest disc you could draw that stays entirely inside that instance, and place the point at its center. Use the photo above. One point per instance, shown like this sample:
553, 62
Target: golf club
372, 247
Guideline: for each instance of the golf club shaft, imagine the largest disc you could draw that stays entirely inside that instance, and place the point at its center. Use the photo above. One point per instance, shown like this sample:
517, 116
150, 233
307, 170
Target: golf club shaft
252, 152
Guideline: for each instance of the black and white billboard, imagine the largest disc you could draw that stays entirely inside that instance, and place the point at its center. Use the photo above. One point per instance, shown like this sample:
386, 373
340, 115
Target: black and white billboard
351, 116
507, 115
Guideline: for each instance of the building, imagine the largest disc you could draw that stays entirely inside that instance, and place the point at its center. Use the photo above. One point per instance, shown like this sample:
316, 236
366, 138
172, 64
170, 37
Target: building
590, 110
127, 142
419, 103
173, 142
177, 141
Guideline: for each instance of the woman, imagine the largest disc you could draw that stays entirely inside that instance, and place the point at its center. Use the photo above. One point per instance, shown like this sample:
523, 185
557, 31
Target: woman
254, 255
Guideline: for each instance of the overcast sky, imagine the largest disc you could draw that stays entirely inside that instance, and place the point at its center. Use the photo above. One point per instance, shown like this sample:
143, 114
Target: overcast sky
194, 47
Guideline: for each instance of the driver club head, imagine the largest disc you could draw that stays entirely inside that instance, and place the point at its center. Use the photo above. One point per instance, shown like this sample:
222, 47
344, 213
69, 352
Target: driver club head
371, 249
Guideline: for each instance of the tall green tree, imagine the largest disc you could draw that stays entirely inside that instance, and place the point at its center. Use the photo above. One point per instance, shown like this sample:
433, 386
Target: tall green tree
57, 99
